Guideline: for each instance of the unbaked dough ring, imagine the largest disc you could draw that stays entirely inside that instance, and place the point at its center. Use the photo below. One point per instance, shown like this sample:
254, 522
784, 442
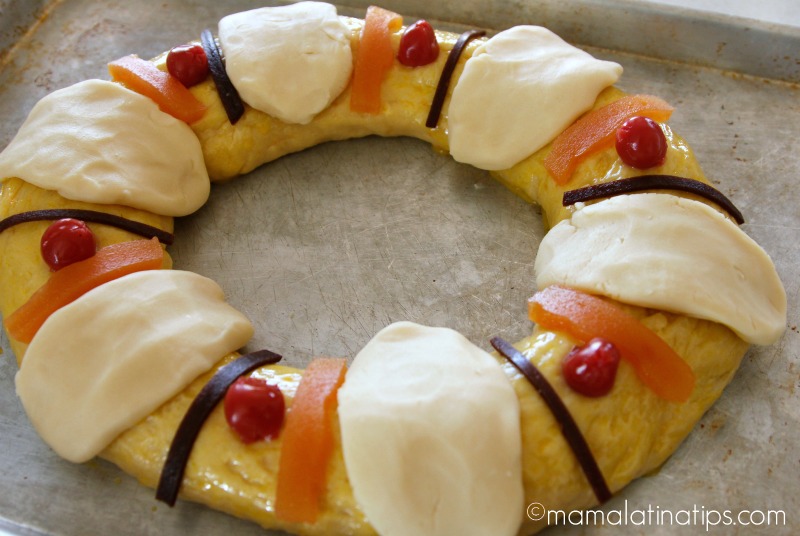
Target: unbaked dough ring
631, 431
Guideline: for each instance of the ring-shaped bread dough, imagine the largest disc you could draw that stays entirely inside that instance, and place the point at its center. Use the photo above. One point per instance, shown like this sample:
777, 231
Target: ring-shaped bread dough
631, 431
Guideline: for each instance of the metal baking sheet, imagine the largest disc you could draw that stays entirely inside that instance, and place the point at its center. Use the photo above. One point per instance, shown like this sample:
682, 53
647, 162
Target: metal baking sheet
323, 248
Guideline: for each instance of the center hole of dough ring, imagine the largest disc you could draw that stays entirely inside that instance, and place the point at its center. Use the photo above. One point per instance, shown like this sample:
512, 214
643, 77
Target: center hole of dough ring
323, 248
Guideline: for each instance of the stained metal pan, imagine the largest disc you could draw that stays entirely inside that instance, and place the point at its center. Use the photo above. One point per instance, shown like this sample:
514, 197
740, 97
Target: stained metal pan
324, 247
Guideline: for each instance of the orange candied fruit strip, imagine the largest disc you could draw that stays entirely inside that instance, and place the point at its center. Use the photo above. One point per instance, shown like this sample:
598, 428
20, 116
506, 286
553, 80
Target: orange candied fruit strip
307, 443
584, 316
145, 78
73, 281
374, 58
595, 131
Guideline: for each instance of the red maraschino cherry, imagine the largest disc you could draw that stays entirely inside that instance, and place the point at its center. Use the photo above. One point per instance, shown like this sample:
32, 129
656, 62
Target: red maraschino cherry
188, 63
67, 241
418, 46
254, 409
591, 369
641, 143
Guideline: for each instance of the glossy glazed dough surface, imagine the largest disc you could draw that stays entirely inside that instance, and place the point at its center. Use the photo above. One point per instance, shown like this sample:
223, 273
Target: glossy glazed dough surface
22, 271
631, 431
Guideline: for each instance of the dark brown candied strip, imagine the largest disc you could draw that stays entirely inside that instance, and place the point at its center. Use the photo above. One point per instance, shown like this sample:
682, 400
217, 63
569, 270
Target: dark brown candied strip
230, 98
169, 484
92, 216
569, 428
447, 74
653, 182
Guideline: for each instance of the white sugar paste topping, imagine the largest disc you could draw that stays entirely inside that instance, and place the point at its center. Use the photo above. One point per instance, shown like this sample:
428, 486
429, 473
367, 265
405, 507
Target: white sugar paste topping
99, 365
520, 90
289, 61
99, 142
669, 253
431, 435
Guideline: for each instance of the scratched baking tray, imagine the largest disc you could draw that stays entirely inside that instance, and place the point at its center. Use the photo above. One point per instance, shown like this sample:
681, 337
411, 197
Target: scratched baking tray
323, 248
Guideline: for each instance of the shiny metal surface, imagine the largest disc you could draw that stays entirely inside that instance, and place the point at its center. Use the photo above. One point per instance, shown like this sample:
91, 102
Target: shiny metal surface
323, 248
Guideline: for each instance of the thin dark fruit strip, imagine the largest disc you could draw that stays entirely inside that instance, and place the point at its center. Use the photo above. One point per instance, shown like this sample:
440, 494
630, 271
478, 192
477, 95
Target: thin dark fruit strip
447, 74
169, 483
230, 98
92, 216
569, 427
652, 182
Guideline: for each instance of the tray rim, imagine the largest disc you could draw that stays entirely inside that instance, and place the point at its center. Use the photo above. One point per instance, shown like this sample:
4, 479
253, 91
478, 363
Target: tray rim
732, 22
703, 38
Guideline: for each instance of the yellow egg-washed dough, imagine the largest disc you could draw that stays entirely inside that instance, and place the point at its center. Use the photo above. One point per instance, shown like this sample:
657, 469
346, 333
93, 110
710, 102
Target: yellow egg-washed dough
630, 431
